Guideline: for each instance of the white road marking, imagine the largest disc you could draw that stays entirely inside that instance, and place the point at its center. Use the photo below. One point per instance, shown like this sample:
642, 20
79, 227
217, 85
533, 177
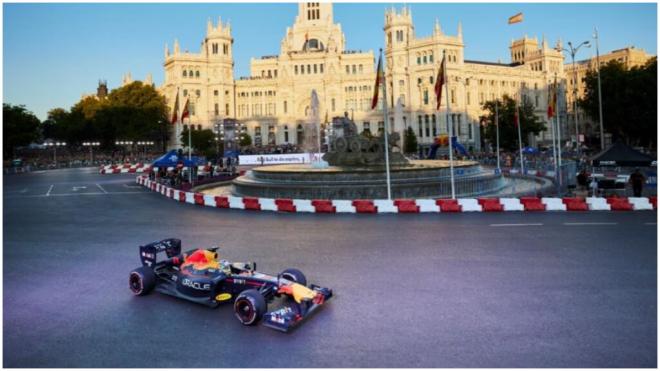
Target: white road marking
591, 223
516, 225
75, 189
650, 223
50, 189
132, 186
101, 188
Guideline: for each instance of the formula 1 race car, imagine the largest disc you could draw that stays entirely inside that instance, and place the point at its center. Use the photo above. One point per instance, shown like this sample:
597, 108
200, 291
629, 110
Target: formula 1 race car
199, 276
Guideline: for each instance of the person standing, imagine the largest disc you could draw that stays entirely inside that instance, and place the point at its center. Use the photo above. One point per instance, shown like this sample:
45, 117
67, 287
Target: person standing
637, 180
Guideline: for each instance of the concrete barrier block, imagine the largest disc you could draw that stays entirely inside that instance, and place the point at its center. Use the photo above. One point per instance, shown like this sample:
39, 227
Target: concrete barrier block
343, 206
427, 206
597, 203
268, 204
304, 206
190, 197
386, 206
640, 203
209, 200
553, 204
469, 204
512, 204
236, 202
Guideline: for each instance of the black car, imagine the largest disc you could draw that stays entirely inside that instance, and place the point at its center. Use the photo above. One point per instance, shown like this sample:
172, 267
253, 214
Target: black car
199, 276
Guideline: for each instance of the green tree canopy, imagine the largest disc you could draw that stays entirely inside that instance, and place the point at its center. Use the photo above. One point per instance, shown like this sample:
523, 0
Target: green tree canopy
245, 140
202, 141
630, 101
20, 127
529, 122
410, 141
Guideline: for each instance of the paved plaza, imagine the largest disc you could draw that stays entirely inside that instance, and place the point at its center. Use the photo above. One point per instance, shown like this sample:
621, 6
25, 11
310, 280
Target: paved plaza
434, 290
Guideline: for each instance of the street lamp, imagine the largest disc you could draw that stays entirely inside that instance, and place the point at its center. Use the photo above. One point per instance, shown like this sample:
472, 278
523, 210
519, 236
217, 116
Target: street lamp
91, 146
600, 97
572, 51
145, 144
55, 145
124, 143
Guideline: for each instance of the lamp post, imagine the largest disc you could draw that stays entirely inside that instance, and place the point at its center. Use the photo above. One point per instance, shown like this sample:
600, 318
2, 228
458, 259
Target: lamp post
55, 145
145, 144
600, 97
91, 146
573, 51
124, 143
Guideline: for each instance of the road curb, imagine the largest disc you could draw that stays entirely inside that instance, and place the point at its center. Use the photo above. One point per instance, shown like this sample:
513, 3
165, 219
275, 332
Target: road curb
487, 204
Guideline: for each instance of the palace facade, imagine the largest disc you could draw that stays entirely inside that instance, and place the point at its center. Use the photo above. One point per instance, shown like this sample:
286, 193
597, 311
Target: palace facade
274, 101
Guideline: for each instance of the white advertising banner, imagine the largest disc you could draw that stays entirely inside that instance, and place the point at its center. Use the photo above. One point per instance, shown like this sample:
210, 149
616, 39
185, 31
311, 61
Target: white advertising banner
279, 158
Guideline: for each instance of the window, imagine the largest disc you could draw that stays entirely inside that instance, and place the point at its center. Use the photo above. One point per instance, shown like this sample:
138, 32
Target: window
199, 127
198, 93
426, 96
431, 80
309, 69
196, 73
332, 102
185, 73
431, 58
214, 48
315, 71
434, 127
216, 109
419, 81
227, 109
295, 69
424, 59
302, 69
257, 135
275, 72
419, 59
225, 49
348, 69
320, 68
286, 134
468, 98
426, 126
381, 126
360, 68
453, 96
299, 134
190, 73
185, 92
389, 38
285, 107
366, 127
353, 69
215, 93
419, 123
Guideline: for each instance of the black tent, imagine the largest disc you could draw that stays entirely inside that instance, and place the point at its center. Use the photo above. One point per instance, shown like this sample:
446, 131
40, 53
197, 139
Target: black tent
620, 154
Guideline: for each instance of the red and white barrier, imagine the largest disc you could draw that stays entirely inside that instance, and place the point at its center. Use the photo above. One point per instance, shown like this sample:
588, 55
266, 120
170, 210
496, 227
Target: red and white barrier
125, 168
491, 204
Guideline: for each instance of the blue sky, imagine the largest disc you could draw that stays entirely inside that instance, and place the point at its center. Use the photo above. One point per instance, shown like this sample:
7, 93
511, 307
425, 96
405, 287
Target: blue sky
53, 53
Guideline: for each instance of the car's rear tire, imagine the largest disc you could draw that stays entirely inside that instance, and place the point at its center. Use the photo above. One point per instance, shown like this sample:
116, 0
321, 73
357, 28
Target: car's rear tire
294, 275
249, 307
141, 281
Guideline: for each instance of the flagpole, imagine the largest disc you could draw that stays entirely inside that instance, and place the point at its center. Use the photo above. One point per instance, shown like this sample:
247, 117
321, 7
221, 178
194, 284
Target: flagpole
559, 141
386, 125
552, 131
451, 127
519, 124
497, 135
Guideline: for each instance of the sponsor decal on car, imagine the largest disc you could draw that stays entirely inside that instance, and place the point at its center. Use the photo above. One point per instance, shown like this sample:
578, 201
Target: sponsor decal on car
196, 285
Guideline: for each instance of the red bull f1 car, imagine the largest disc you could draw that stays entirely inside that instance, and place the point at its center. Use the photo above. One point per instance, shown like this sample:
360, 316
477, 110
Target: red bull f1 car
201, 277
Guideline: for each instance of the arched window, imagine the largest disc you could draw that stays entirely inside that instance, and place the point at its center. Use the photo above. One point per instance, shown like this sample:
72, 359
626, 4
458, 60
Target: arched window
190, 73
185, 73
196, 73
299, 134
286, 134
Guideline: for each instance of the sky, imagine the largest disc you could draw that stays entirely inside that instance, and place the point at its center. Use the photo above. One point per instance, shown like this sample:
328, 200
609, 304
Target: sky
53, 53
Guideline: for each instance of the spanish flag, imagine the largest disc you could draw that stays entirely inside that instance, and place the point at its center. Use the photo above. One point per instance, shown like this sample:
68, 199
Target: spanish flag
186, 110
175, 110
439, 82
516, 18
552, 100
379, 79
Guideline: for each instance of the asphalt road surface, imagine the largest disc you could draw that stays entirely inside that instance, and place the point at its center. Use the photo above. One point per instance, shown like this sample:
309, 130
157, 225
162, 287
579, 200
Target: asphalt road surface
440, 290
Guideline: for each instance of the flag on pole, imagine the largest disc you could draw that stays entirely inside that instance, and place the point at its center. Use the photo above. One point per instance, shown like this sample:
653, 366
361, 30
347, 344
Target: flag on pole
186, 110
439, 82
516, 18
175, 112
379, 79
552, 100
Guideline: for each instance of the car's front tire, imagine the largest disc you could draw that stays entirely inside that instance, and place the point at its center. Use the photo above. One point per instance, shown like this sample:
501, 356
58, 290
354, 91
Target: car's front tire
249, 307
141, 281
294, 275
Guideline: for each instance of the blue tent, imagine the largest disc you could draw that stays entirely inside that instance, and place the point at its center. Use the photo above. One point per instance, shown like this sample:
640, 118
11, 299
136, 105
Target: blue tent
530, 150
172, 158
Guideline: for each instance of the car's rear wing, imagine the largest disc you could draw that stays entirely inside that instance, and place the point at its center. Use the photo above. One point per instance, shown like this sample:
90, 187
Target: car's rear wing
149, 252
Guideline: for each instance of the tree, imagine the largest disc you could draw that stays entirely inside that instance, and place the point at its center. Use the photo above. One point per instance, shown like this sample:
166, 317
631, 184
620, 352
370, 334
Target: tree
245, 140
529, 122
20, 127
629, 100
410, 141
52, 127
203, 141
